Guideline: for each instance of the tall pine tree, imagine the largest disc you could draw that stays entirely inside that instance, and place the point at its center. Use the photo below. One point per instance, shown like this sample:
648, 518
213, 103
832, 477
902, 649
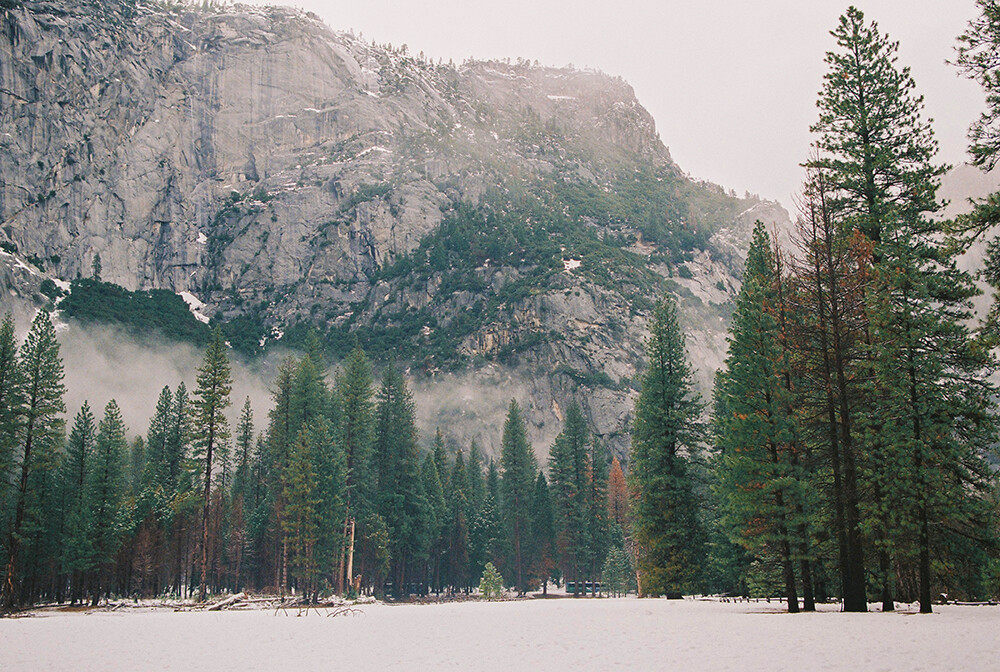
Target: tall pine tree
517, 460
666, 436
38, 405
210, 429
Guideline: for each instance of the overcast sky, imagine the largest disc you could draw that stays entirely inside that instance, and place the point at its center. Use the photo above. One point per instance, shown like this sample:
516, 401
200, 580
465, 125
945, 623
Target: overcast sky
732, 85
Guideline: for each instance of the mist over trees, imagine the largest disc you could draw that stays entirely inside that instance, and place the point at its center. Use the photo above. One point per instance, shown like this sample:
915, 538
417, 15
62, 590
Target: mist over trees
333, 496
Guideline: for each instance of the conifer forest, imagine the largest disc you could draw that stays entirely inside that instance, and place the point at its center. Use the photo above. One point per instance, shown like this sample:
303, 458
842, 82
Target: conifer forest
846, 453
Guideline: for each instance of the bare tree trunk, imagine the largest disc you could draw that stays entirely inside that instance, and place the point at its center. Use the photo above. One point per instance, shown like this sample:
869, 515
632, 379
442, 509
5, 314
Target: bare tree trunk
350, 556
203, 590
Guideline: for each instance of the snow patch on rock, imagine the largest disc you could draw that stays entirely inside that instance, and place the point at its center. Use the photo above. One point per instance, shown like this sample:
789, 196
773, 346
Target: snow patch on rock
195, 305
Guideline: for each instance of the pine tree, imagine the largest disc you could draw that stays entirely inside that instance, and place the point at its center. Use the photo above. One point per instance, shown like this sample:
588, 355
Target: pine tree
831, 279
758, 435
157, 475
666, 436
570, 472
39, 404
618, 500
280, 441
599, 540
137, 465
617, 575
436, 517
309, 395
872, 141
485, 535
242, 484
107, 515
9, 414
210, 429
977, 59
925, 374
543, 534
331, 470
476, 492
398, 496
244, 449
178, 439
440, 458
354, 392
517, 460
491, 583
76, 544
458, 533
301, 519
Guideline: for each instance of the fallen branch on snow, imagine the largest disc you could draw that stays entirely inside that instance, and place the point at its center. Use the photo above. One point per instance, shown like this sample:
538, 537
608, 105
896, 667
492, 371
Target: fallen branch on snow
229, 601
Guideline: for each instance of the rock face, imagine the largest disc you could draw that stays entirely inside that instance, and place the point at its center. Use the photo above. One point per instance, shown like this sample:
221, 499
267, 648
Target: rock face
287, 174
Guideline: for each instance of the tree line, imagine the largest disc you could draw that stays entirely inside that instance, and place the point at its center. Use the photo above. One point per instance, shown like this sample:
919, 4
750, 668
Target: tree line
334, 495
855, 418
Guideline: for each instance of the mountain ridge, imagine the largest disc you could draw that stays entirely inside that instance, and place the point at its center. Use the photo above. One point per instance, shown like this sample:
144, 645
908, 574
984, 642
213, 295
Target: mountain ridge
509, 225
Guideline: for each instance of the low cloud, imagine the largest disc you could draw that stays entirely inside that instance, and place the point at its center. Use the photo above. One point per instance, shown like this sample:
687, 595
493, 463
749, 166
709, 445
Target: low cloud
104, 363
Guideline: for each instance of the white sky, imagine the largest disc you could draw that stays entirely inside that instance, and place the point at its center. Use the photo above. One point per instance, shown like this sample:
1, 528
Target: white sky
732, 85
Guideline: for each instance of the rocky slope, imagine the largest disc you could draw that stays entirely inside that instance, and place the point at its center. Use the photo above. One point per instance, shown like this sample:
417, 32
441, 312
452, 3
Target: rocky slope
502, 228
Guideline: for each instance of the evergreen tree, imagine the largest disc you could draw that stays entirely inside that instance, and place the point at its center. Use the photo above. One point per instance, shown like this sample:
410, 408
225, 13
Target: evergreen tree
398, 498
618, 500
309, 395
977, 59
571, 473
178, 438
242, 489
458, 534
244, 449
543, 534
210, 429
599, 540
157, 438
280, 439
476, 492
137, 465
925, 374
758, 436
436, 517
665, 437
517, 459
485, 535
617, 575
38, 404
10, 405
76, 544
491, 583
331, 470
354, 393
440, 458
107, 515
301, 519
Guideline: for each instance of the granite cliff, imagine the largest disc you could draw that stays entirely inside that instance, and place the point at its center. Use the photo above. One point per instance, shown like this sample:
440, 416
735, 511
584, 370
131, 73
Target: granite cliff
501, 228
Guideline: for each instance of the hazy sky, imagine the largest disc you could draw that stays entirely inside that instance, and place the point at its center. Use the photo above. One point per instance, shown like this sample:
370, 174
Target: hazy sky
732, 85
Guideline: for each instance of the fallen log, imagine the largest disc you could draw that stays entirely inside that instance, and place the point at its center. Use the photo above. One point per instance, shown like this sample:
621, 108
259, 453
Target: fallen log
229, 601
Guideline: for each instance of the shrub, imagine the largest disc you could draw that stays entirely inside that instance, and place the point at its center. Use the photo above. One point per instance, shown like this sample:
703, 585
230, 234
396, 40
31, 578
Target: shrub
491, 585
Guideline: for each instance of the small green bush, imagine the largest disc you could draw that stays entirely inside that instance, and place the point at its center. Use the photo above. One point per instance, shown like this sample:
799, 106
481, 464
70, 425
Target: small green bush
491, 585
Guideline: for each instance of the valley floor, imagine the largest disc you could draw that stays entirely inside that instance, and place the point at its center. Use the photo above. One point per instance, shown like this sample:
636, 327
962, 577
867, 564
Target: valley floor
562, 634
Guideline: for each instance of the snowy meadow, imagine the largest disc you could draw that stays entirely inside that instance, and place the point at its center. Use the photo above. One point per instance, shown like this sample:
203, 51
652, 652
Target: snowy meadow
561, 634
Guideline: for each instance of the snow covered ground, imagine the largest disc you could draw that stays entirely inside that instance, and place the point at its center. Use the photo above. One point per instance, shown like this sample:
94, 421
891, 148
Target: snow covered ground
564, 634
